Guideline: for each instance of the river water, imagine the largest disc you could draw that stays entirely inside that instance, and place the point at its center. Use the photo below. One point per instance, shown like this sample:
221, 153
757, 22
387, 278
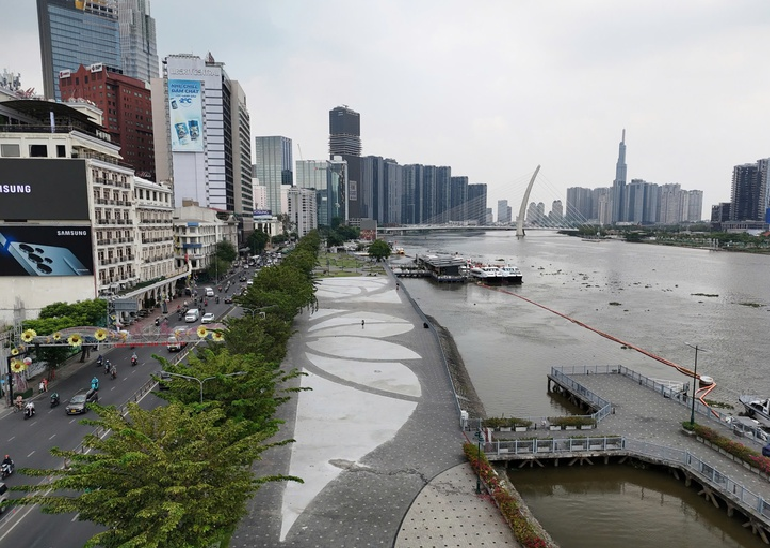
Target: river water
657, 298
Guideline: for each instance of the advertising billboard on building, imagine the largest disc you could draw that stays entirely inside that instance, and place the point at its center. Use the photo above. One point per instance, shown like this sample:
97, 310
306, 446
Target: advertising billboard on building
262, 214
184, 109
46, 250
43, 189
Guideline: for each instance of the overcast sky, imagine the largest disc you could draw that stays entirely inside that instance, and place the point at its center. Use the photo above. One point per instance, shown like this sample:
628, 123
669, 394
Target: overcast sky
491, 88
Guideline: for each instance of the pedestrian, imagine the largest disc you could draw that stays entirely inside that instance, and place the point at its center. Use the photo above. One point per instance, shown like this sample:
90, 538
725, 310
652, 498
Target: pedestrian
45, 385
41, 387
362, 324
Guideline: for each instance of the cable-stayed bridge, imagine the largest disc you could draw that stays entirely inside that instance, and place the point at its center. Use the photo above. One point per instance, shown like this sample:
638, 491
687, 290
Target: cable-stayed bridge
449, 227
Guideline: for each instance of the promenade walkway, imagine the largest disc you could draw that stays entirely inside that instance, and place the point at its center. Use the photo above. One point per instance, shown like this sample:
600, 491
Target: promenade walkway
378, 443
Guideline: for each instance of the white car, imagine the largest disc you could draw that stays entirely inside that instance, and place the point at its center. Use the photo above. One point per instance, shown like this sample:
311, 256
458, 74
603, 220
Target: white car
208, 317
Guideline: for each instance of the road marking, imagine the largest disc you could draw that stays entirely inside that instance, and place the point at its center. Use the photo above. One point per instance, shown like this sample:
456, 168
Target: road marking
32, 453
13, 438
52, 437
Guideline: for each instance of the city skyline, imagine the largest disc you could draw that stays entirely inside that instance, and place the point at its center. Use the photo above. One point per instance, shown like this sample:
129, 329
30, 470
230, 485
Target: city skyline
493, 90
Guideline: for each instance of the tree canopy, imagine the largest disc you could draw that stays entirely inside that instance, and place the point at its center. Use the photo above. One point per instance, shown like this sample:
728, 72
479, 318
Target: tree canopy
57, 316
379, 250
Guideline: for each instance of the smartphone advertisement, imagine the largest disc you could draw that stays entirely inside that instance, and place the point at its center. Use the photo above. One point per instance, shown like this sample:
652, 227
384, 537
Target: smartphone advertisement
43, 189
184, 109
46, 251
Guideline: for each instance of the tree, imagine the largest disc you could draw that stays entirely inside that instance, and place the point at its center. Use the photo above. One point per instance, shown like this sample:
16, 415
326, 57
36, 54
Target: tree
256, 242
54, 356
217, 268
284, 288
226, 251
87, 312
334, 240
251, 395
266, 338
170, 477
278, 239
379, 250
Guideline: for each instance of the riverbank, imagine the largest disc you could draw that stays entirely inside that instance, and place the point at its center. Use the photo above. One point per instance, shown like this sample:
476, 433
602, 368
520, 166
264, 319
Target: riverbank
466, 393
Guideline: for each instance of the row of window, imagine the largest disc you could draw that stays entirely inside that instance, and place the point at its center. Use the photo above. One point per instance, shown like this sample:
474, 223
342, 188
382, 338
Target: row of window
35, 151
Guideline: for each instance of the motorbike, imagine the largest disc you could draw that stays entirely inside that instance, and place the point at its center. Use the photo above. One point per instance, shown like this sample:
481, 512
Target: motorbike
157, 322
6, 470
113, 374
29, 412
99, 361
133, 362
55, 400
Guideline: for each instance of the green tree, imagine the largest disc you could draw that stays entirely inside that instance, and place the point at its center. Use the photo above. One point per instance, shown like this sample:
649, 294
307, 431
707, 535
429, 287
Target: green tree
87, 312
278, 239
334, 240
282, 287
266, 338
217, 268
226, 251
251, 394
170, 477
54, 356
256, 242
379, 250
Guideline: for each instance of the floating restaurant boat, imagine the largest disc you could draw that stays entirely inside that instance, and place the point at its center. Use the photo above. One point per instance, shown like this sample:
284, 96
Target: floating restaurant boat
496, 273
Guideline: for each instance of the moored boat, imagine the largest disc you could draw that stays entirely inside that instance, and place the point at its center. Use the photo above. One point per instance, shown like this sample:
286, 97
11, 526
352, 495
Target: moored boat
757, 407
496, 273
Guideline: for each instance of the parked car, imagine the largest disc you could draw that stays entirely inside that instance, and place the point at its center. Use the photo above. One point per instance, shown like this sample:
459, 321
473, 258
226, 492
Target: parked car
77, 403
208, 317
3, 496
229, 299
243, 278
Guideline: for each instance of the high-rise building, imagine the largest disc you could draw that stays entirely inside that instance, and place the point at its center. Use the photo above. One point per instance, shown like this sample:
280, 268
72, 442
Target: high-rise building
580, 206
619, 184
443, 194
345, 142
477, 203
74, 33
369, 187
301, 210
556, 215
749, 194
411, 208
274, 166
670, 204
201, 125
138, 41
459, 199
337, 186
392, 192
312, 174
243, 191
127, 111
502, 211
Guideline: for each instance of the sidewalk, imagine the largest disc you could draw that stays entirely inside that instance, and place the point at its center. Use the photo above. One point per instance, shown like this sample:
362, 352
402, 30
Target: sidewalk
378, 443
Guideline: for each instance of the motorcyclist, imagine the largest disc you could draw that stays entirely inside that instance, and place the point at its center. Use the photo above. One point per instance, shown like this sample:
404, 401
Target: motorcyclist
99, 360
30, 408
107, 366
7, 466
133, 358
113, 371
8, 461
94, 384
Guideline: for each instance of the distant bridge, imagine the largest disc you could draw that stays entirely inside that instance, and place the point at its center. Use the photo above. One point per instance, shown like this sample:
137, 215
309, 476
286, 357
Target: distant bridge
403, 229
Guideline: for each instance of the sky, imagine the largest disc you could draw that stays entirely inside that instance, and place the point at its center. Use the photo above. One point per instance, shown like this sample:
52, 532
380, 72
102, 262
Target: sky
490, 88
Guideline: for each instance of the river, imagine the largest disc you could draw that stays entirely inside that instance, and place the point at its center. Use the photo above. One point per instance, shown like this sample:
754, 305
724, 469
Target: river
657, 298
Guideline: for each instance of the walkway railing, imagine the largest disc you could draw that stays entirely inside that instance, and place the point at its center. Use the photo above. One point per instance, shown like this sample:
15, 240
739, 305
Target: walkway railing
603, 406
620, 445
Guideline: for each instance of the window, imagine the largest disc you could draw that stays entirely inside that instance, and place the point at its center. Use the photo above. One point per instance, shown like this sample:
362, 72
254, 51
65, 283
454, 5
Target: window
10, 151
38, 151
61, 151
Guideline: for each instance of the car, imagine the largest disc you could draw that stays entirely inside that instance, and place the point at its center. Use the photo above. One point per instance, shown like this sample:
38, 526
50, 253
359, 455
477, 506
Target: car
208, 317
209, 292
188, 291
243, 278
229, 299
163, 379
175, 345
77, 403
3, 496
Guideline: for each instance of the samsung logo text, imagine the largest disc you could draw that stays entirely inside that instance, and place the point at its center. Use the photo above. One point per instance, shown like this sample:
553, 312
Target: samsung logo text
15, 189
71, 233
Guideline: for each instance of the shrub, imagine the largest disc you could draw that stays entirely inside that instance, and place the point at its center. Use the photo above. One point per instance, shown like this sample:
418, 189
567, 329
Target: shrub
505, 422
732, 447
526, 532
572, 420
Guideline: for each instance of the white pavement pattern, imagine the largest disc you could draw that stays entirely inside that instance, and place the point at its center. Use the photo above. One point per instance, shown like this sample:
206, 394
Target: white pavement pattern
380, 423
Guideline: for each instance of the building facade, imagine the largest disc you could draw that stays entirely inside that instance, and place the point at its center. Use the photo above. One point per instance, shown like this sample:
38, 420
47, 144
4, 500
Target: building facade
197, 230
345, 142
749, 192
619, 197
154, 220
302, 210
74, 33
127, 111
138, 40
273, 167
477, 203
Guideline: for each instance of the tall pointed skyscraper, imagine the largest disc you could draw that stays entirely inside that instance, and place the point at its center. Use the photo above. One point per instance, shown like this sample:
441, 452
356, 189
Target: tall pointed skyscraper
345, 141
619, 184
138, 41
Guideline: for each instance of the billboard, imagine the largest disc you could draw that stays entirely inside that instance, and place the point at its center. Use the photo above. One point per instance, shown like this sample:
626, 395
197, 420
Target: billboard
46, 250
263, 214
184, 109
43, 189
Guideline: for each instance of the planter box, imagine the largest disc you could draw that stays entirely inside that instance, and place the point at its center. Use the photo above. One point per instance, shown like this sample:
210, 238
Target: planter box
586, 427
521, 429
570, 427
505, 429
554, 427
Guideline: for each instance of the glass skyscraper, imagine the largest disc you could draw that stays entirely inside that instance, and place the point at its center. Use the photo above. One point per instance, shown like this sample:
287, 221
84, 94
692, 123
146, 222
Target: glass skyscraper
74, 33
138, 41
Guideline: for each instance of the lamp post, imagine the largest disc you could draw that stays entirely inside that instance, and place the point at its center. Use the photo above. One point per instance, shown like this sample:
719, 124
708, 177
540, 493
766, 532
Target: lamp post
200, 382
478, 472
694, 381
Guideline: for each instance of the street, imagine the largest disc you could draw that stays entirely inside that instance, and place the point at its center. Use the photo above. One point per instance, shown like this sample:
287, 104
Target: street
29, 441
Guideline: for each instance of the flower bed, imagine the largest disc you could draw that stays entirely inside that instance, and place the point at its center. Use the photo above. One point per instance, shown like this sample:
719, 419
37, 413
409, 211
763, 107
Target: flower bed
731, 447
506, 422
525, 527
572, 420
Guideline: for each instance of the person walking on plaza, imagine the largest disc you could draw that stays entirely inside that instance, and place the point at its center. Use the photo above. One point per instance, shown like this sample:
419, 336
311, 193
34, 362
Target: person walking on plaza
362, 324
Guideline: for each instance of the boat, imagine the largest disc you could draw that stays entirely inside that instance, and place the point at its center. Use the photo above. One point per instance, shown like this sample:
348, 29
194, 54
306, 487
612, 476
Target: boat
496, 273
757, 407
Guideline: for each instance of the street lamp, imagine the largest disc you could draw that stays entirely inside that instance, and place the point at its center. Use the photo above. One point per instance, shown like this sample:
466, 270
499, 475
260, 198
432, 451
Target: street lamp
694, 381
478, 472
200, 382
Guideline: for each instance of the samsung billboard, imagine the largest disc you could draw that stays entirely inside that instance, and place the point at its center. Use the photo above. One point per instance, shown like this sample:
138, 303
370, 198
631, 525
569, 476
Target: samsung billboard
43, 189
46, 250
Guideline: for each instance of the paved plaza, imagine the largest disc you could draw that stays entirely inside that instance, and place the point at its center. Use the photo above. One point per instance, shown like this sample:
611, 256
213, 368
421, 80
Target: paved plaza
377, 439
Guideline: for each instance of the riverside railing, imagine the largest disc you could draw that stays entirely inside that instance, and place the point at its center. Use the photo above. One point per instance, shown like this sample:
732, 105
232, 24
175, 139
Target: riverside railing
429, 324
625, 446
603, 406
